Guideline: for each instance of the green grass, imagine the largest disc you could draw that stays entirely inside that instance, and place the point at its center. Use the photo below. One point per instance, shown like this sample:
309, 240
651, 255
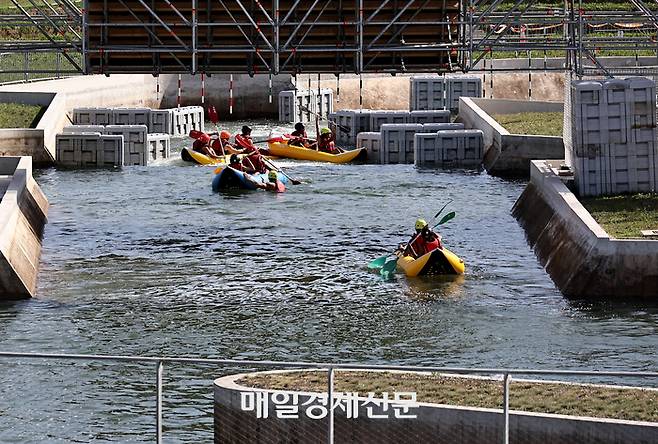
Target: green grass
14, 115
546, 124
624, 217
564, 399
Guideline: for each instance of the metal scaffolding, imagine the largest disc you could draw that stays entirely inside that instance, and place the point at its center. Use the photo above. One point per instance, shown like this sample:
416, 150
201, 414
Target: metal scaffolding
347, 36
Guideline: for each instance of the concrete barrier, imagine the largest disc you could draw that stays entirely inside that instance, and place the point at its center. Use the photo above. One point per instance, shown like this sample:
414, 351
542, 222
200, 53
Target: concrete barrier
23, 211
508, 154
580, 257
434, 423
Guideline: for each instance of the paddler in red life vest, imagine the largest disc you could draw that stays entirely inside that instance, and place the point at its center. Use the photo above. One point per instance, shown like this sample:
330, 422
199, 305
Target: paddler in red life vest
424, 241
326, 142
299, 136
244, 141
273, 183
202, 145
223, 144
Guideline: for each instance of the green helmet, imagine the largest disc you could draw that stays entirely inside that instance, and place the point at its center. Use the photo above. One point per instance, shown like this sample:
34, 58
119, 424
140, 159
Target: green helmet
325, 131
272, 176
420, 224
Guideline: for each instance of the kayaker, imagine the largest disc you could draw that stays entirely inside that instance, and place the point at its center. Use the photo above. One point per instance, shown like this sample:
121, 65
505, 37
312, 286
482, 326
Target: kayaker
326, 142
235, 163
299, 136
223, 144
423, 241
244, 141
202, 145
273, 183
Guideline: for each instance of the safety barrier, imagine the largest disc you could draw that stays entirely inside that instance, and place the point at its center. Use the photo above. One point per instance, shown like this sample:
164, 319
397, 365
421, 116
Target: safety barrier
303, 105
89, 150
350, 124
449, 148
611, 141
435, 116
505, 376
159, 146
397, 142
371, 141
176, 122
439, 93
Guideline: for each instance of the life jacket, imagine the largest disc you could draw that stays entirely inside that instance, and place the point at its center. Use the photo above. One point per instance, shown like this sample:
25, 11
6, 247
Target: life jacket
326, 145
255, 161
237, 166
418, 246
432, 245
245, 142
280, 187
217, 146
200, 143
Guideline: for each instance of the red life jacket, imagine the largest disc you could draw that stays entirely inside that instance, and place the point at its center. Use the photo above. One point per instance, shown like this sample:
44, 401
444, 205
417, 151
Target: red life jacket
255, 161
419, 246
198, 145
433, 245
245, 142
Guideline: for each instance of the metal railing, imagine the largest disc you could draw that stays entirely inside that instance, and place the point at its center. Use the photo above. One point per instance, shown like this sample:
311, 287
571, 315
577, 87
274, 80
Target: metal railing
160, 362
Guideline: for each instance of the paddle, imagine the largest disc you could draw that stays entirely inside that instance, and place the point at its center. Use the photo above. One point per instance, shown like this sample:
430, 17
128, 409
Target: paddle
343, 128
272, 165
390, 266
380, 261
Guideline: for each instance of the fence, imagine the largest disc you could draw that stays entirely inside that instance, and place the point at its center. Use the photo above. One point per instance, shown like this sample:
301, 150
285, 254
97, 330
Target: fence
330, 368
28, 66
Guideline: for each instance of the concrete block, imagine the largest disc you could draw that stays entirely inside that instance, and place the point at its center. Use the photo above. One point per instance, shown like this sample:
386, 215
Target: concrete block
288, 111
161, 121
135, 146
427, 93
461, 87
159, 146
461, 148
357, 121
434, 127
92, 116
397, 142
426, 150
371, 141
379, 118
131, 116
77, 129
89, 150
437, 116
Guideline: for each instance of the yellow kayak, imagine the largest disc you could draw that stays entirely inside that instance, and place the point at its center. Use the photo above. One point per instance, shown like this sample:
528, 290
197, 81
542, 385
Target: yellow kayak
189, 155
439, 261
282, 149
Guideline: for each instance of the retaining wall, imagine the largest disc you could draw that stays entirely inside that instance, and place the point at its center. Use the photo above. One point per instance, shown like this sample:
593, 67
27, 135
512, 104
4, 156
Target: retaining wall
434, 423
580, 257
23, 211
509, 154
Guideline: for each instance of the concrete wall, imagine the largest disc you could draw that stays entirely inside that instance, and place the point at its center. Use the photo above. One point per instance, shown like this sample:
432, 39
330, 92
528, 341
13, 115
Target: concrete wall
580, 257
434, 423
508, 154
23, 211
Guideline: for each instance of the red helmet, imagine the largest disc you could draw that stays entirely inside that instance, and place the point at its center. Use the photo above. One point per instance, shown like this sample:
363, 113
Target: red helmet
204, 138
224, 135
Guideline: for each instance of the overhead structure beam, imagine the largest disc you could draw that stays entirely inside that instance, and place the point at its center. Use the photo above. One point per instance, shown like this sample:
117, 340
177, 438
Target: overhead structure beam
348, 36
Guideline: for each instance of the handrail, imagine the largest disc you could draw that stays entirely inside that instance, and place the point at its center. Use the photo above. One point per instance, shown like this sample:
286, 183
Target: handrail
507, 374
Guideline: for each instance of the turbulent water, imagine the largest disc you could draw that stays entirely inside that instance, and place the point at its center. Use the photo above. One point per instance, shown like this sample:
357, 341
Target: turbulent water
149, 261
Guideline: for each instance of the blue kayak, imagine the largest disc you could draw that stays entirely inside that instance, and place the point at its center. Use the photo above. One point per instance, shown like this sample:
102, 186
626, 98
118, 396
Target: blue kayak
230, 178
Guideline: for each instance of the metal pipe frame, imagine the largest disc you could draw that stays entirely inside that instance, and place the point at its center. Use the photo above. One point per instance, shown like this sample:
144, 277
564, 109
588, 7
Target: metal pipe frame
483, 28
160, 361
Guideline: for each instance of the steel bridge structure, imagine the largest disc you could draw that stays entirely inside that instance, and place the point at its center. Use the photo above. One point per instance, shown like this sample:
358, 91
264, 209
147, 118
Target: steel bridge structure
65, 37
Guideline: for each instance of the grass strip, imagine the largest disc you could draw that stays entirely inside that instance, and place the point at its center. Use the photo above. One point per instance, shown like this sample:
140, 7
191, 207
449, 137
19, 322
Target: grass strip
625, 216
546, 124
539, 397
15, 115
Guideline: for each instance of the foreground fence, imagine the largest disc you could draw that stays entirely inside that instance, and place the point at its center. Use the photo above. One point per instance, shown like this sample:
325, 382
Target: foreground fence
159, 364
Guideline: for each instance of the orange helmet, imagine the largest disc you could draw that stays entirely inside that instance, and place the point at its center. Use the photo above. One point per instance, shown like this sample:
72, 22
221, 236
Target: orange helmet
224, 135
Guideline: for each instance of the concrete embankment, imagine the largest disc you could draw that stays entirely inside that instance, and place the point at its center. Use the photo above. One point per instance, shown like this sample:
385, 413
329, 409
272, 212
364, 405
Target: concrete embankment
580, 257
434, 422
23, 211
508, 154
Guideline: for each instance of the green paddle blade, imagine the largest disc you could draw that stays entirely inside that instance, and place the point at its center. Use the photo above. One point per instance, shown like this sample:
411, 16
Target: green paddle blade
378, 263
389, 267
446, 218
